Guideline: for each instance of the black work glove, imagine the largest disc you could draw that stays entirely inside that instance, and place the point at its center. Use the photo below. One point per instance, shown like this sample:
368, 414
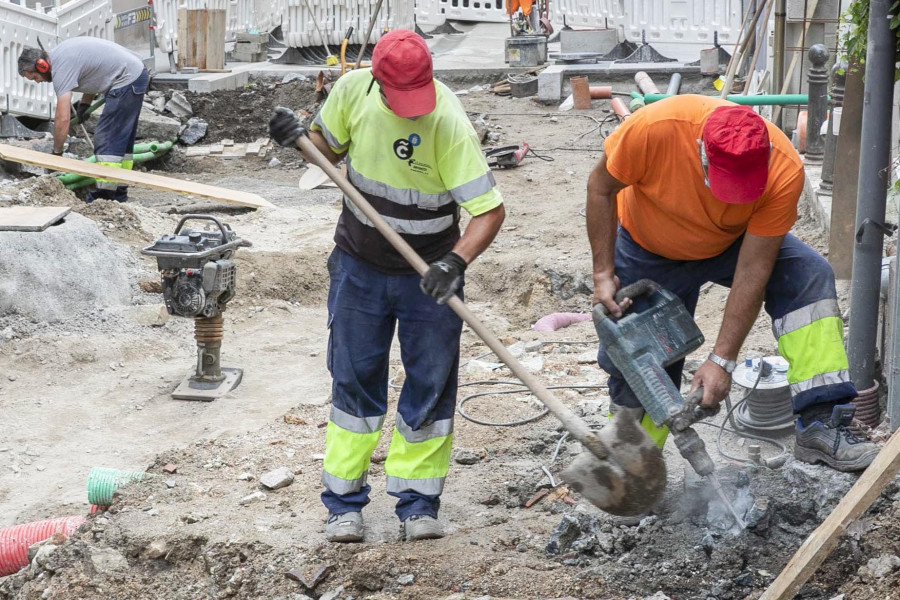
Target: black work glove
285, 127
443, 276
80, 109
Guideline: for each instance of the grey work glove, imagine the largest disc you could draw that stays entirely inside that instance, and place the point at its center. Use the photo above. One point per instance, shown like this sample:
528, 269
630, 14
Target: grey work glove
285, 127
443, 277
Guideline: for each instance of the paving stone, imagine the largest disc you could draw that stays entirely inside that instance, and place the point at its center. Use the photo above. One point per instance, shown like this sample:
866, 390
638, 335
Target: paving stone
277, 478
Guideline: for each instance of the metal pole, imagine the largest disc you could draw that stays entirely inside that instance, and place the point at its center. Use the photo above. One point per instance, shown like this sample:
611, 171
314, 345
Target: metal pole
674, 84
362, 49
778, 67
838, 80
874, 161
817, 106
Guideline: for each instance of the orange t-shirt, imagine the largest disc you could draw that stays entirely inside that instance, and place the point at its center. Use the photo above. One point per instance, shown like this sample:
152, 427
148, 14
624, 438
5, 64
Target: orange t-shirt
667, 207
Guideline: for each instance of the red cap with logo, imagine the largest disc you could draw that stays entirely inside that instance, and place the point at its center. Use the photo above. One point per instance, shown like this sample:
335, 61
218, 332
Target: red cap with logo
401, 62
738, 148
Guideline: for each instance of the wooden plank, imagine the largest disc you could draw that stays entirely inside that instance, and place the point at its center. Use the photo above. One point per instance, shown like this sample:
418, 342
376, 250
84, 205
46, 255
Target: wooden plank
157, 182
31, 218
823, 540
215, 40
846, 177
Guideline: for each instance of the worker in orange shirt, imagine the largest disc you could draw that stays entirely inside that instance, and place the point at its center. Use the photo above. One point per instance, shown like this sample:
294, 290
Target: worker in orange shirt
694, 189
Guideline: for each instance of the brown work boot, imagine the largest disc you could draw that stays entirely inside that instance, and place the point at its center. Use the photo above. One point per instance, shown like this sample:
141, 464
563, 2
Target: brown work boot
833, 443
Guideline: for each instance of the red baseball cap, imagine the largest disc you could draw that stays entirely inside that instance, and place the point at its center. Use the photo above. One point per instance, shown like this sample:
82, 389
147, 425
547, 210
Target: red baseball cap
401, 62
738, 148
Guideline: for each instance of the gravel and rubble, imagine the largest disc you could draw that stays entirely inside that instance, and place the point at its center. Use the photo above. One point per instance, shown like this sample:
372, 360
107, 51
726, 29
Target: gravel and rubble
93, 389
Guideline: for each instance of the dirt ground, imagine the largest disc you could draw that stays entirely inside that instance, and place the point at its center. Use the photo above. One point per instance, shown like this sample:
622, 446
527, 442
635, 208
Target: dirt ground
92, 389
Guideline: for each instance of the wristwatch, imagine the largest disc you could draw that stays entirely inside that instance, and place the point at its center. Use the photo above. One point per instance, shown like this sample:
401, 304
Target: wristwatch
727, 365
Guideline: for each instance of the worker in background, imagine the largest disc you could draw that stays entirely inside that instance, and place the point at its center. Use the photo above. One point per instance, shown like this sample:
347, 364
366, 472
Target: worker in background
94, 66
413, 154
692, 190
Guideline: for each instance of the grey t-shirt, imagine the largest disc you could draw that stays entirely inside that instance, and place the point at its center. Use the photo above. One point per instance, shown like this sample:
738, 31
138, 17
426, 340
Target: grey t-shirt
92, 66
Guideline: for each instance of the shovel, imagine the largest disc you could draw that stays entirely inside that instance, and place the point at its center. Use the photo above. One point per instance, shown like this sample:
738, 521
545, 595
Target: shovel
622, 471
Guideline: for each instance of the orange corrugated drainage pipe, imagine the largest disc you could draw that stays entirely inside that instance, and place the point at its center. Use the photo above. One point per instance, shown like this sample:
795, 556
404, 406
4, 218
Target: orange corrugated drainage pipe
619, 107
601, 92
15, 540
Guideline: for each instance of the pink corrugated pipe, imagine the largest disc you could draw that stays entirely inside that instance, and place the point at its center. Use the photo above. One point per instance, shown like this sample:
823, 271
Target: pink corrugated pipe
556, 321
15, 540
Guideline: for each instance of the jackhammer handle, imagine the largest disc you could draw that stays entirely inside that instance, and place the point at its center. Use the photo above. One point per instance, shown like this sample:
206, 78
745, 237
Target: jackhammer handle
569, 419
638, 288
700, 412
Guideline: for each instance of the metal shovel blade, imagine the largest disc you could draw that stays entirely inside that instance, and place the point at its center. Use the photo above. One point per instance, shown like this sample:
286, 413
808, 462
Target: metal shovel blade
630, 480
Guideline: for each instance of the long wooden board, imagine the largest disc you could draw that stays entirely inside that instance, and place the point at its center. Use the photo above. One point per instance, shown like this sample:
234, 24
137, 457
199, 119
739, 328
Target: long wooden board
823, 540
157, 182
30, 218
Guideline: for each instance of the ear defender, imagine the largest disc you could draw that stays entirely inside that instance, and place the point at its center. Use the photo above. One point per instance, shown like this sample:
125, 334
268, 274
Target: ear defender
42, 66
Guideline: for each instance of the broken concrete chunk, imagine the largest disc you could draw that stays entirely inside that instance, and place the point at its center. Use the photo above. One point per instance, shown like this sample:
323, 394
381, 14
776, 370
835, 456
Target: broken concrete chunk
157, 549
194, 131
465, 456
332, 594
148, 315
406, 579
533, 345
254, 497
883, 566
105, 560
179, 105
564, 535
277, 478
657, 596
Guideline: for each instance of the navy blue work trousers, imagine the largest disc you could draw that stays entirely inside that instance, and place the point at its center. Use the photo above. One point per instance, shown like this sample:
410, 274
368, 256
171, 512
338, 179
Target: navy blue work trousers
800, 278
365, 308
115, 134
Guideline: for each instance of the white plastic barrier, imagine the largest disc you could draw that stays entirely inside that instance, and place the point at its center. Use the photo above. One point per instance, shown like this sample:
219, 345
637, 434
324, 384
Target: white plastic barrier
20, 27
324, 22
681, 28
166, 17
587, 13
435, 12
94, 18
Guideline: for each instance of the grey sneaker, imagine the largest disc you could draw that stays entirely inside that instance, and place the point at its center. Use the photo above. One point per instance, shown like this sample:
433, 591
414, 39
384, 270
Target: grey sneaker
422, 527
347, 527
833, 442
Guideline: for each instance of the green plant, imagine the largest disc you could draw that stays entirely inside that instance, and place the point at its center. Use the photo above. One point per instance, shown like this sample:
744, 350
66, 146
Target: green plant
855, 30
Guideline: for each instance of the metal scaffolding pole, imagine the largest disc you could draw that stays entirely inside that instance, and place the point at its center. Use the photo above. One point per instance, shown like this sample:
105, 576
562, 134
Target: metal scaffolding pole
871, 195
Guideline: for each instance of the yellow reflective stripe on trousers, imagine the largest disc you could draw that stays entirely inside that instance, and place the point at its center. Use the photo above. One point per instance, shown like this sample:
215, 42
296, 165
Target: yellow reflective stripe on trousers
347, 454
108, 184
418, 466
814, 349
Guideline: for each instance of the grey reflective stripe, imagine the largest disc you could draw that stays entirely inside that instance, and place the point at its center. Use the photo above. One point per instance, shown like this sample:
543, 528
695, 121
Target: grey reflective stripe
441, 428
429, 487
804, 316
105, 158
332, 141
107, 185
128, 156
407, 226
343, 486
842, 376
473, 189
404, 197
355, 424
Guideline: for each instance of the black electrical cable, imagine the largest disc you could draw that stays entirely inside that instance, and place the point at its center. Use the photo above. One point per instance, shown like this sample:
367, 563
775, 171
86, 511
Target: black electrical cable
520, 389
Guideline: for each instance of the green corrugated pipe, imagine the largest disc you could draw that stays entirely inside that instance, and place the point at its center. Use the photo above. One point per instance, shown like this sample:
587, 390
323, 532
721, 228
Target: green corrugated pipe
157, 148
761, 100
86, 181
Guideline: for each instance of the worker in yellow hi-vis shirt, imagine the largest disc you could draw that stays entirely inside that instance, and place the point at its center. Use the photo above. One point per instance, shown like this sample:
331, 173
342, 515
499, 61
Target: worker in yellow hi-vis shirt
414, 155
